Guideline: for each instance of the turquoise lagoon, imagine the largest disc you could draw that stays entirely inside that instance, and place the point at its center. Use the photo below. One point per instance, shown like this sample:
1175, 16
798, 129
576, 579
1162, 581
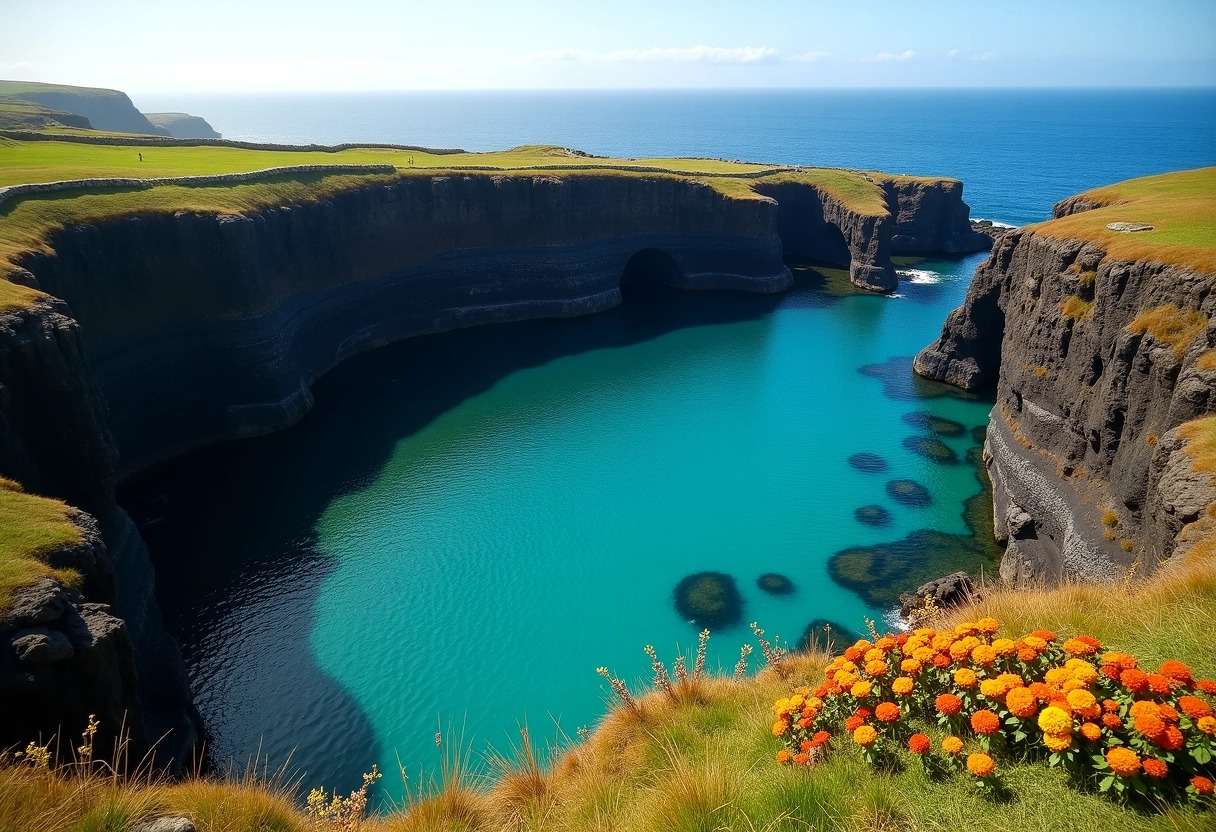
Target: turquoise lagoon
468, 524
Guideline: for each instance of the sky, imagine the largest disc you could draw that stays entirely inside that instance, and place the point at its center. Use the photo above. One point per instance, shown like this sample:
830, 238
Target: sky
313, 45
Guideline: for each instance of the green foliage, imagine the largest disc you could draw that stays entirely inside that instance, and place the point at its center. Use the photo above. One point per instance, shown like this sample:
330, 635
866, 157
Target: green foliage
30, 527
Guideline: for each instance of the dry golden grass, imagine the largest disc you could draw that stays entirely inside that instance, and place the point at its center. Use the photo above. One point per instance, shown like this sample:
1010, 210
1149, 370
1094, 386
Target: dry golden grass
1075, 308
1180, 206
1170, 325
1207, 361
1200, 437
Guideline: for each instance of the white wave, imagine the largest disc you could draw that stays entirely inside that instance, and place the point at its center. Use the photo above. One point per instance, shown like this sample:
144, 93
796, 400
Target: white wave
920, 276
997, 223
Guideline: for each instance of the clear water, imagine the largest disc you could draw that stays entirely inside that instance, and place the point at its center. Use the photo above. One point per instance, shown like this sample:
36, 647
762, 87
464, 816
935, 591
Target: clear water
468, 524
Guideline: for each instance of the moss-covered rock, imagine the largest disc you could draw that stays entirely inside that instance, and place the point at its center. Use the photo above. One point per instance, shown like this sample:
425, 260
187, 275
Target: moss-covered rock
909, 493
828, 636
774, 583
939, 425
872, 515
931, 448
868, 462
709, 600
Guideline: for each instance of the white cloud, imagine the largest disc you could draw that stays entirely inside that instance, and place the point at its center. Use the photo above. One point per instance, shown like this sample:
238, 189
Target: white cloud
700, 54
893, 56
953, 53
807, 57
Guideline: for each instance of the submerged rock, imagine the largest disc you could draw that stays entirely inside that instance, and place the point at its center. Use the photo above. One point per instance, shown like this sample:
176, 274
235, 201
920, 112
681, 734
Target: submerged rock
950, 591
775, 583
909, 493
828, 636
934, 424
872, 515
709, 600
931, 448
868, 462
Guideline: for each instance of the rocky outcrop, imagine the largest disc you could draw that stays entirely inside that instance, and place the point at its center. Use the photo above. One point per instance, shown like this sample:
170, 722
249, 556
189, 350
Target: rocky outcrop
1088, 472
930, 218
944, 593
166, 332
53, 439
182, 125
105, 109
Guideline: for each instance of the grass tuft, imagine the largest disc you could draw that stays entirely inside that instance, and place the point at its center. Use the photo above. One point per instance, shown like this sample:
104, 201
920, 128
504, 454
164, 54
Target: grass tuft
1170, 325
32, 527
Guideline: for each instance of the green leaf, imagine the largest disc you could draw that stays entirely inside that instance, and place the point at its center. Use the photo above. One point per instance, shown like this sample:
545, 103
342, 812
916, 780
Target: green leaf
1106, 783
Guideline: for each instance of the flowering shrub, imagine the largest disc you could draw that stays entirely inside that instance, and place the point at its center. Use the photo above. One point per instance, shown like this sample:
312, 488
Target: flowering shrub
1131, 732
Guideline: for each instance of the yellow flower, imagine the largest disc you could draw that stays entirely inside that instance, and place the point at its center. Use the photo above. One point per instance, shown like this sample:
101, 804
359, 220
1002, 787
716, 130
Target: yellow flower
1035, 642
952, 745
861, 689
965, 678
1081, 670
1004, 647
780, 727
1055, 720
981, 765
987, 626
874, 654
1084, 703
983, 655
1207, 724
992, 688
1057, 742
1056, 677
902, 686
877, 667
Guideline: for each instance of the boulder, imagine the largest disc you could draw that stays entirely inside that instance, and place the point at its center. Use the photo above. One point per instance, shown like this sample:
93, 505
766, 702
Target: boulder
949, 591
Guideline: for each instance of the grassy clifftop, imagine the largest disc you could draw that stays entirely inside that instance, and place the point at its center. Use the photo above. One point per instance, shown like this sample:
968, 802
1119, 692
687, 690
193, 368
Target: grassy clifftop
29, 528
26, 222
1180, 206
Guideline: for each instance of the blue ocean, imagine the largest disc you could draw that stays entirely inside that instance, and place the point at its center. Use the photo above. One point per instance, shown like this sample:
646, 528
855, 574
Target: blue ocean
468, 524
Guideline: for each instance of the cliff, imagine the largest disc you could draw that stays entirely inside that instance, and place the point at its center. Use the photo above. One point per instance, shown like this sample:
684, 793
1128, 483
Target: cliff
105, 109
1098, 344
182, 125
168, 330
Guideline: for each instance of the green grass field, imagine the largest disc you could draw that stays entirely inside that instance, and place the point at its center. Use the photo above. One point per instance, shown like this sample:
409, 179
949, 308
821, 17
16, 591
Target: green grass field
30, 526
1180, 206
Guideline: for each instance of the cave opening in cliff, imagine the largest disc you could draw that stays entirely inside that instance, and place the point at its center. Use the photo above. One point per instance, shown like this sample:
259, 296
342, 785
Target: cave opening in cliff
649, 275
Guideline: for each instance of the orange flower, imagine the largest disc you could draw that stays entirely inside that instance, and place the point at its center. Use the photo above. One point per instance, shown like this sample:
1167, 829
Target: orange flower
981, 765
1151, 726
802, 759
1021, 703
1194, 707
819, 739
1027, 654
1202, 785
1173, 739
983, 655
1207, 686
1168, 714
1110, 706
1123, 761
918, 744
1076, 647
780, 727
1159, 684
1004, 647
1083, 702
1057, 742
861, 690
910, 666
853, 723
1134, 680
784, 756
876, 667
985, 722
1035, 643
1046, 635
1112, 721
1176, 671
1090, 731
887, 712
1154, 768
952, 745
865, 735
987, 626
902, 686
962, 649
941, 661
992, 688
1207, 724
1041, 691
965, 678
854, 653
948, 704
1111, 671
1010, 680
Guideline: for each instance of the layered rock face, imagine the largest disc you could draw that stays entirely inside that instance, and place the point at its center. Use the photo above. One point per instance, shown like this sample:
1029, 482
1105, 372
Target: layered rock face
168, 332
1092, 380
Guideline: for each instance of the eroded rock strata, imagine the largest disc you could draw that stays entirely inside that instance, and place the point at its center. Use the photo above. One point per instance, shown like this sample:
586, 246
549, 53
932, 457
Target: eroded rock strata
1088, 469
163, 333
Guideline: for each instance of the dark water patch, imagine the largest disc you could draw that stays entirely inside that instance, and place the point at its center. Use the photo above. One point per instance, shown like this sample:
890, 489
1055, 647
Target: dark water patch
909, 493
829, 636
868, 462
708, 600
230, 527
829, 283
932, 449
979, 433
879, 573
900, 383
939, 425
873, 515
774, 583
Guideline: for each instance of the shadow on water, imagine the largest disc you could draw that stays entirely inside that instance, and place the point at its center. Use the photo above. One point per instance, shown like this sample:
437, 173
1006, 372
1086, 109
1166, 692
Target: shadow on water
242, 603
